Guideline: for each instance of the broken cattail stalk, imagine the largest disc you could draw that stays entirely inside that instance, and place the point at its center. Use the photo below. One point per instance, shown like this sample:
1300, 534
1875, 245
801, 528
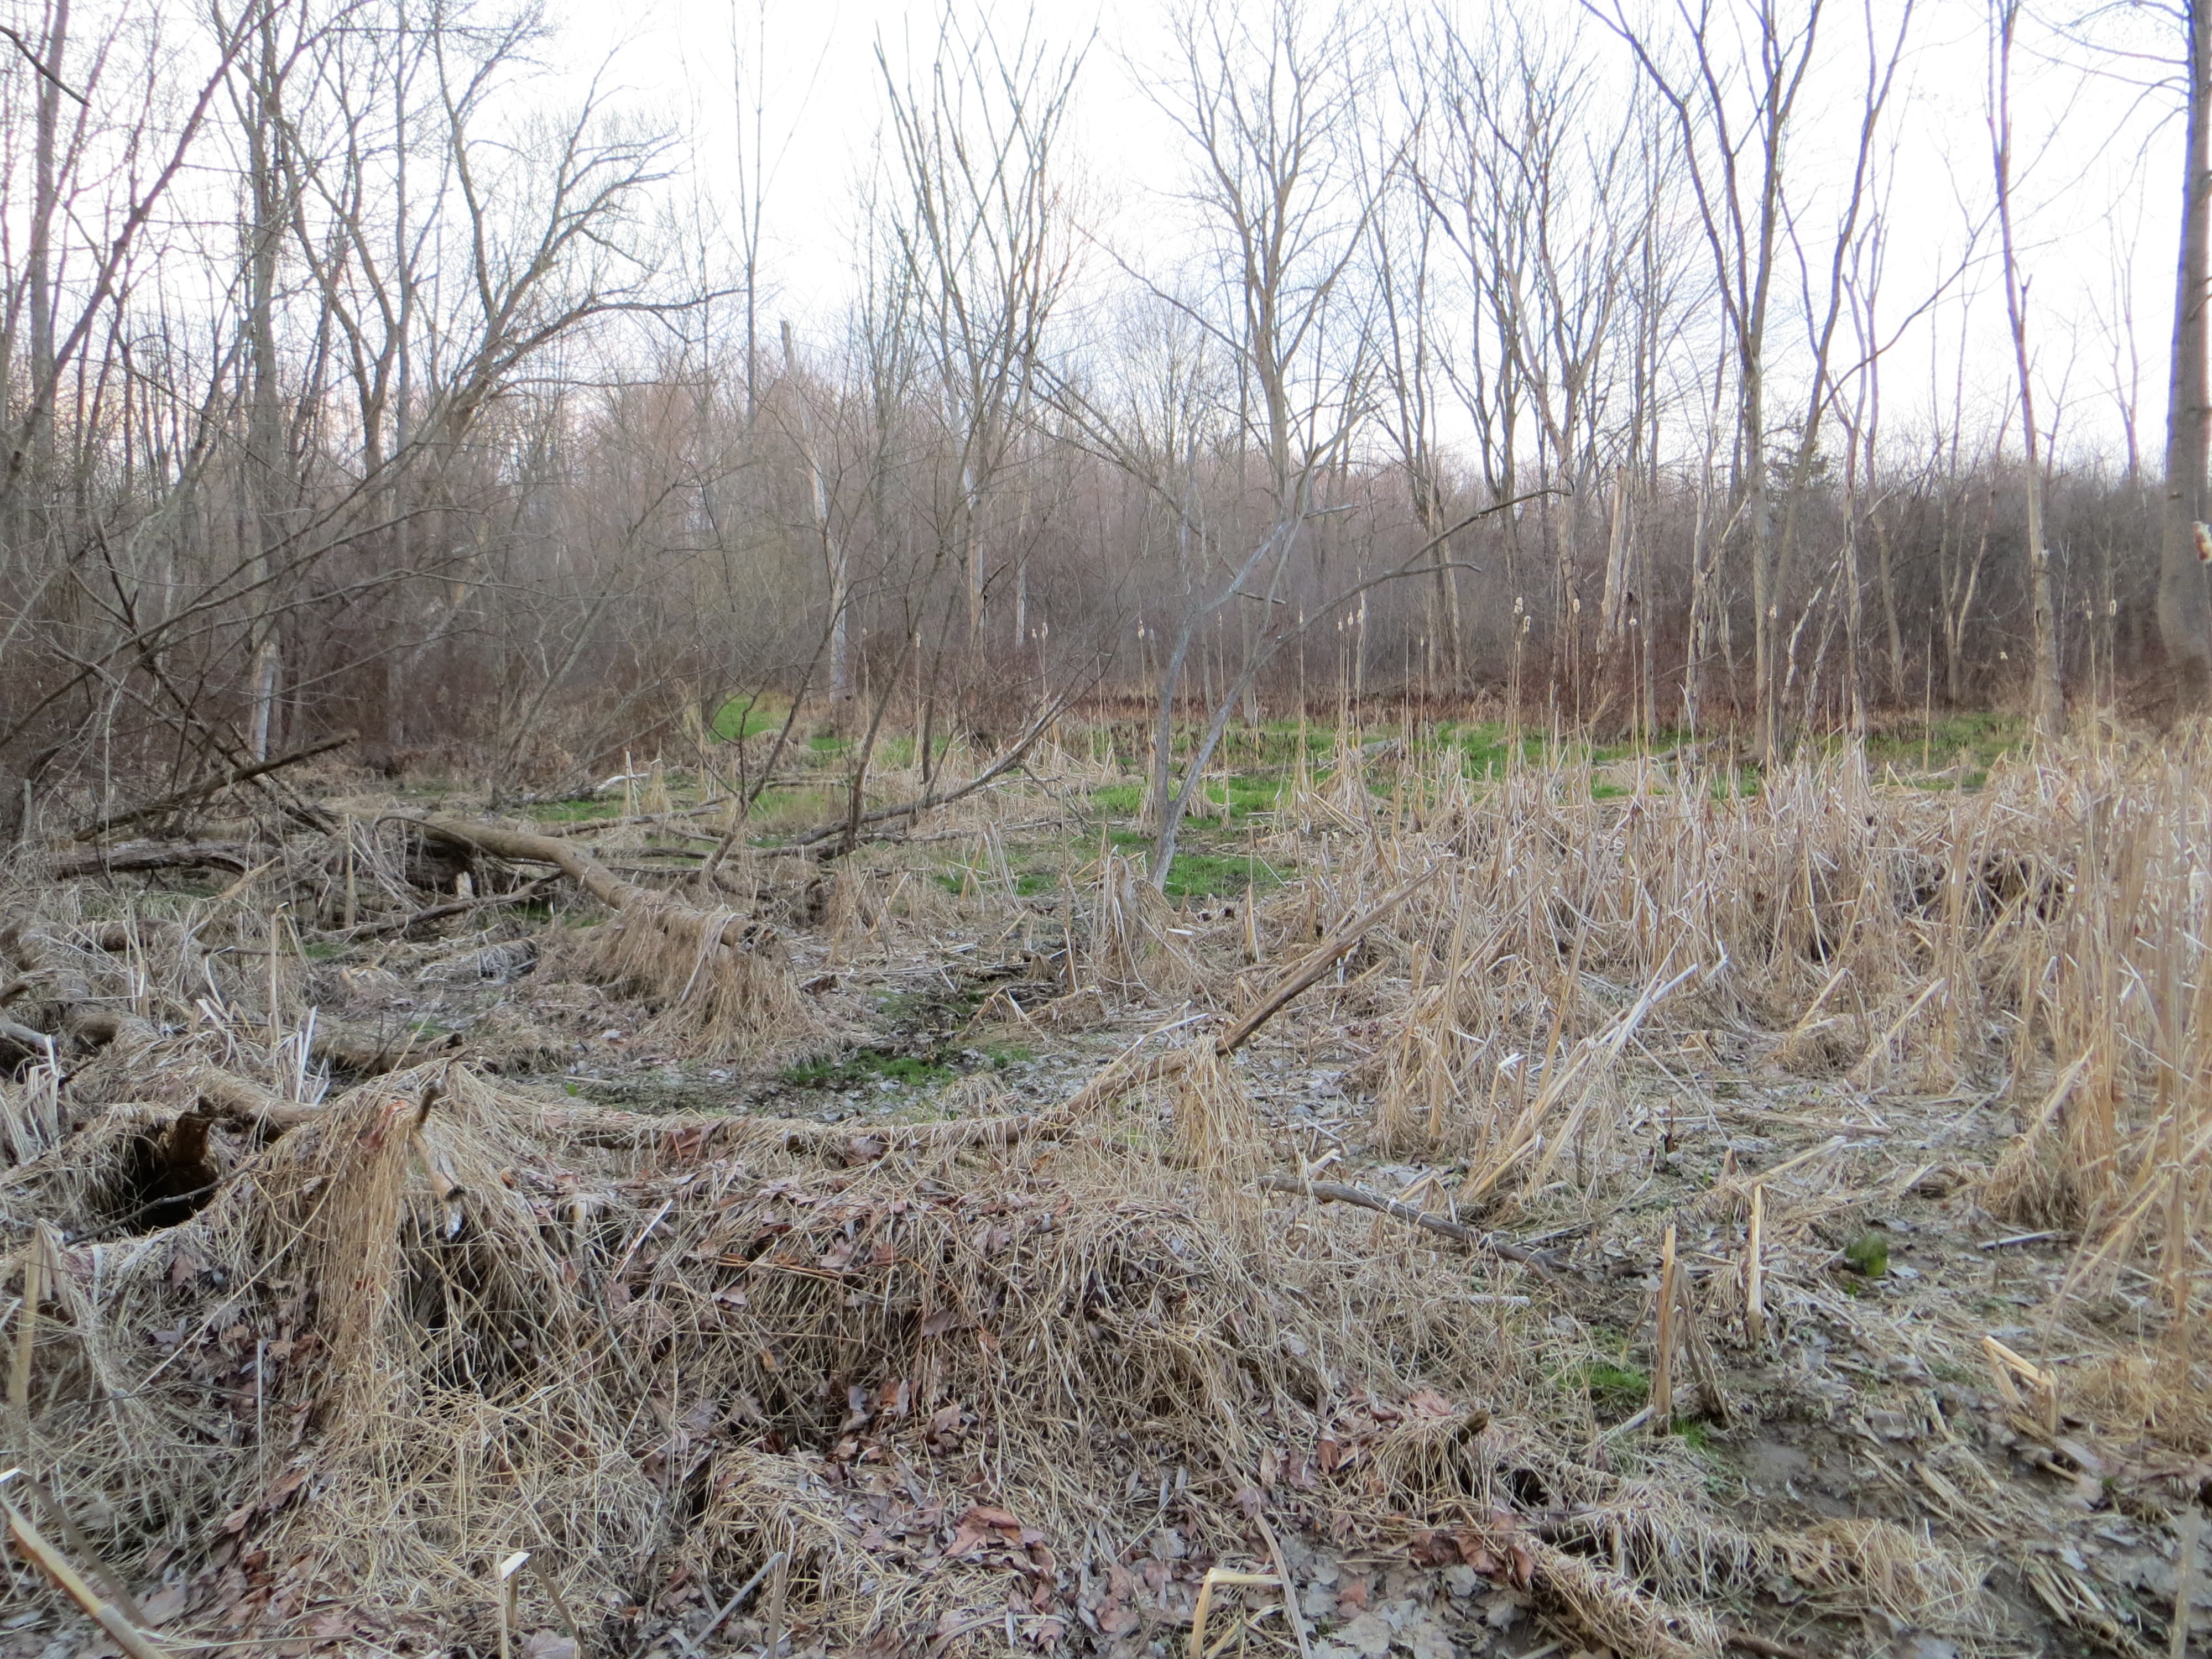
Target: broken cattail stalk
108, 1578
775, 1565
106, 1614
1754, 1270
560, 1604
504, 1588
26, 1336
778, 1579
1712, 1393
1290, 1591
1662, 1361
2006, 1366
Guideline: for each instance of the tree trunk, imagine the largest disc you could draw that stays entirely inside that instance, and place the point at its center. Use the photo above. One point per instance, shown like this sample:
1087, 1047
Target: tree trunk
2185, 624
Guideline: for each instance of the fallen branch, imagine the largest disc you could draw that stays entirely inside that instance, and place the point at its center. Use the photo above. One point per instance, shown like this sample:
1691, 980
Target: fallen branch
1333, 1191
407, 924
526, 847
135, 857
224, 1094
1126, 1072
721, 962
1326, 956
367, 1053
192, 792
851, 824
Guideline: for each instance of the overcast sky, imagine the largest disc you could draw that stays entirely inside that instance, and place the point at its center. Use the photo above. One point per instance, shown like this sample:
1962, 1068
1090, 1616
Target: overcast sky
2096, 137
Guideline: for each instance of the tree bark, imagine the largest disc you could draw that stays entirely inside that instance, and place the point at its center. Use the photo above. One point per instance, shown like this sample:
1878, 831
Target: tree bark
2184, 623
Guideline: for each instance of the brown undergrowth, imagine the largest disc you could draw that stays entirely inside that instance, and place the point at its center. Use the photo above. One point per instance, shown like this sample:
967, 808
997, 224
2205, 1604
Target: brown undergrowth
309, 1362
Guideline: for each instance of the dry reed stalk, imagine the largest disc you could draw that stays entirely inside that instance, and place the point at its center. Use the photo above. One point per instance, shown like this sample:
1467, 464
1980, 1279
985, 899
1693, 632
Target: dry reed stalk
1903, 1574
2040, 1414
2189, 1525
26, 1337
1662, 1356
1754, 1270
2177, 1267
1215, 1575
51, 1561
1616, 1611
2033, 1183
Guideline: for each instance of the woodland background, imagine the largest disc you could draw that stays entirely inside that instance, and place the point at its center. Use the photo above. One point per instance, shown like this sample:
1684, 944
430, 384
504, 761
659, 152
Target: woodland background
357, 377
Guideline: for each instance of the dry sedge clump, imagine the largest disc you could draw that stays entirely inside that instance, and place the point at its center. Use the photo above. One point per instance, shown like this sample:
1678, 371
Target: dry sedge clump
718, 980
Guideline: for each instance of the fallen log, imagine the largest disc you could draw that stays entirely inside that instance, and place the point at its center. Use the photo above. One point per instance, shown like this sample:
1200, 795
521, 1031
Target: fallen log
370, 1053
720, 963
224, 1094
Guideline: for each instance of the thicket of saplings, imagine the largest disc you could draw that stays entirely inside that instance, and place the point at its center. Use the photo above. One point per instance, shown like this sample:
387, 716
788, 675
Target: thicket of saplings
1485, 1132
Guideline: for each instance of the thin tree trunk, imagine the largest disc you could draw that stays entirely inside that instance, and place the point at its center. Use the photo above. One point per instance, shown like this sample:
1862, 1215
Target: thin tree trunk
2185, 624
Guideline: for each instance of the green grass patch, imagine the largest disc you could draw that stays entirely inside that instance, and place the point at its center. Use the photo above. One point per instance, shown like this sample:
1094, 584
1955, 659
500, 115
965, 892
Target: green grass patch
1217, 875
748, 717
1120, 800
862, 1067
1614, 1386
575, 811
1867, 1254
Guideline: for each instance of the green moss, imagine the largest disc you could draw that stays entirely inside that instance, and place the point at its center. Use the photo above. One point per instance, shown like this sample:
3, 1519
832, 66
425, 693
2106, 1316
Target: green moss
1615, 1386
1120, 800
861, 1066
1867, 1254
1215, 875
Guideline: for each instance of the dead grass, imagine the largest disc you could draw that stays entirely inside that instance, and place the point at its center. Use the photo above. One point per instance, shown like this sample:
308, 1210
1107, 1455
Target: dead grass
969, 1381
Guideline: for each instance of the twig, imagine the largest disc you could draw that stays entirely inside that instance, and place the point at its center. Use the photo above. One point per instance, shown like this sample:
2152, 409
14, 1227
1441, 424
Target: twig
691, 1642
194, 792
2023, 1238
39, 64
1289, 1593
1334, 1191
1125, 1072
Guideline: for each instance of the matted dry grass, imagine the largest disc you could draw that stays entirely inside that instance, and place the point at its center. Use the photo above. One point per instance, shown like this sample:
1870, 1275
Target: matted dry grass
966, 1382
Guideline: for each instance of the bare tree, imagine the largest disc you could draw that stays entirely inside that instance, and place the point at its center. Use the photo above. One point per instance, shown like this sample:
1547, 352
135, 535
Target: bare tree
2047, 699
979, 220
1268, 106
1736, 103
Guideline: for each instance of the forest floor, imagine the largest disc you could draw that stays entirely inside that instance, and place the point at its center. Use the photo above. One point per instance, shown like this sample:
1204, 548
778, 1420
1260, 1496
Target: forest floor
1655, 1208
